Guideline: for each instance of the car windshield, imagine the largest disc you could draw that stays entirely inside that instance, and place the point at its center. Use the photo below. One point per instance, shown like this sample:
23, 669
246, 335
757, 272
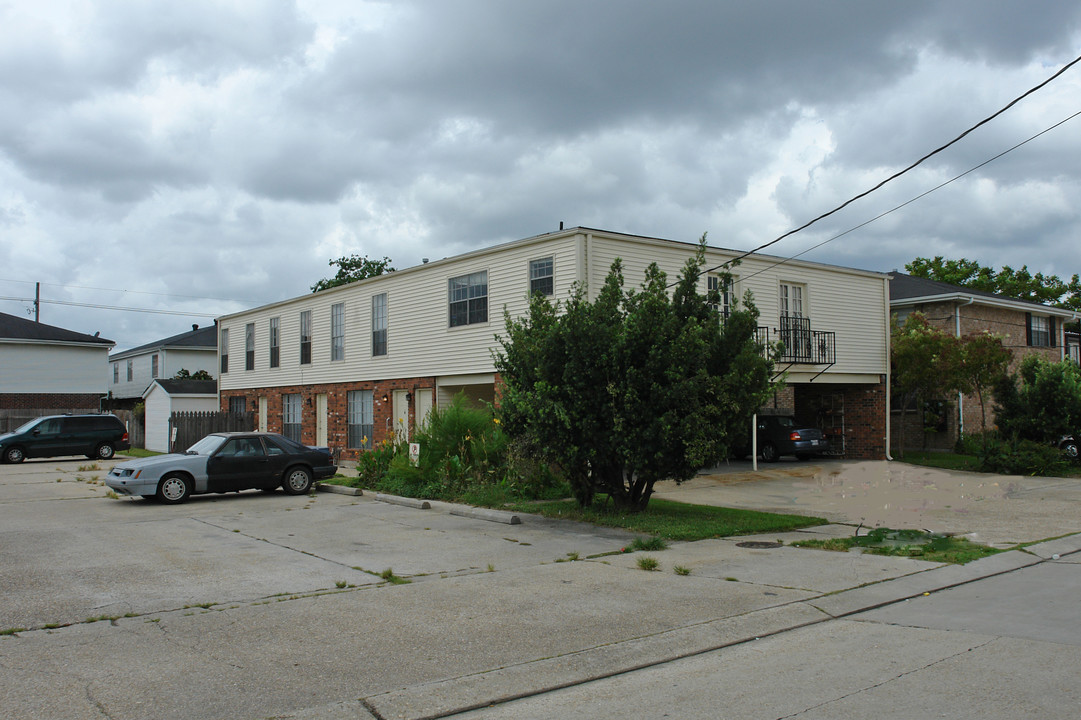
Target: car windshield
786, 422
26, 426
207, 445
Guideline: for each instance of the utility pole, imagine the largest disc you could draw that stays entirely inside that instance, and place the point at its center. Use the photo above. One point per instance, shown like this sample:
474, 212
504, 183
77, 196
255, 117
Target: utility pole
37, 302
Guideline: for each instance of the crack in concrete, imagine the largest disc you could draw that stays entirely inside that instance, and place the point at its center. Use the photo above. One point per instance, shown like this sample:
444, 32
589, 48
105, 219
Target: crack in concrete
883, 683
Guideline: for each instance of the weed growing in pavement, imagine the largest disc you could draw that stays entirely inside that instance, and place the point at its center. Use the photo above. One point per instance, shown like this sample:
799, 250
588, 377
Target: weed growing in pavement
87, 468
112, 495
648, 563
918, 544
340, 584
681, 570
491, 567
653, 544
390, 577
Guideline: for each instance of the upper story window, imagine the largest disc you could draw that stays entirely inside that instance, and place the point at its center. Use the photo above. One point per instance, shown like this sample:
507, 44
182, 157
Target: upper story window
379, 325
249, 346
116, 373
337, 331
225, 351
723, 287
791, 300
542, 276
468, 299
154, 365
1041, 330
306, 337
130, 368
275, 341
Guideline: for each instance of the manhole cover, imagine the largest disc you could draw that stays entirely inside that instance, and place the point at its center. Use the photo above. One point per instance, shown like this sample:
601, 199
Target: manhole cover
758, 544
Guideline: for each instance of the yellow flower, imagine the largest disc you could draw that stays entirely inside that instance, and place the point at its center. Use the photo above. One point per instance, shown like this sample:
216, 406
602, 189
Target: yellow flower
496, 421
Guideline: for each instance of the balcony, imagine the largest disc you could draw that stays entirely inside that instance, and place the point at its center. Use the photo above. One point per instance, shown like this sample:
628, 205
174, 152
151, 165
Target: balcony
800, 344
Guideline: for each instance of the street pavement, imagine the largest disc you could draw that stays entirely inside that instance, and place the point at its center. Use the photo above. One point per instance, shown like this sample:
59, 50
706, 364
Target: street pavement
258, 605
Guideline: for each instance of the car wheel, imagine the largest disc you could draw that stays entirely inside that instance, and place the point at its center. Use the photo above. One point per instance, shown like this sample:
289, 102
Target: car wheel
104, 451
173, 488
1069, 449
769, 452
14, 454
298, 481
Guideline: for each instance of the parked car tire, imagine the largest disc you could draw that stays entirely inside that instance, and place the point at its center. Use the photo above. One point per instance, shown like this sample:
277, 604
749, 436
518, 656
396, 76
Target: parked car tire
173, 488
298, 480
769, 452
104, 451
1069, 449
14, 454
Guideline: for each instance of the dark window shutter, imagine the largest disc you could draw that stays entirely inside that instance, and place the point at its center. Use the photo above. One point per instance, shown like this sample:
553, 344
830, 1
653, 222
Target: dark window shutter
1028, 329
1051, 331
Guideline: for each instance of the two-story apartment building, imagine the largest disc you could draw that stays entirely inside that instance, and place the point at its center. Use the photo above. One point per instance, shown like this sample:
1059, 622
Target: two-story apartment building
132, 371
1026, 328
354, 365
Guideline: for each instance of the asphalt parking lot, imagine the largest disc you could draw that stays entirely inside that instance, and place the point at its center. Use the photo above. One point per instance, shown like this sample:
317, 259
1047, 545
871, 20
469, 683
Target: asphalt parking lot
256, 605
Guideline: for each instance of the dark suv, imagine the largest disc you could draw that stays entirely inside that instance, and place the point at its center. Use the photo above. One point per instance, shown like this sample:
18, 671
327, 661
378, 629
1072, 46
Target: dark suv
96, 436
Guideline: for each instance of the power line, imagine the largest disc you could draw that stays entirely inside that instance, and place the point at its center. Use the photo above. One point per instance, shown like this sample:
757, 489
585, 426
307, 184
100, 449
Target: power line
136, 292
899, 173
115, 307
922, 195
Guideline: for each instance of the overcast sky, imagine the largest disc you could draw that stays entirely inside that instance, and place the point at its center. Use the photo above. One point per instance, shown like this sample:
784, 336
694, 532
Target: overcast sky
209, 156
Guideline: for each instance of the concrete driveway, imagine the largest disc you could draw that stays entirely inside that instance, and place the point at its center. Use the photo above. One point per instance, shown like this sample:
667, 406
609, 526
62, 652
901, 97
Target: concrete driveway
258, 605
998, 510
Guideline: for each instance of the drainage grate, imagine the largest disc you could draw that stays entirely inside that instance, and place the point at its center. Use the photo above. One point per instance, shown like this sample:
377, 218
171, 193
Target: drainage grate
763, 544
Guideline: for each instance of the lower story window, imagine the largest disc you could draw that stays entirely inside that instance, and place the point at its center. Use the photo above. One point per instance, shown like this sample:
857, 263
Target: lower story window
291, 417
360, 419
238, 405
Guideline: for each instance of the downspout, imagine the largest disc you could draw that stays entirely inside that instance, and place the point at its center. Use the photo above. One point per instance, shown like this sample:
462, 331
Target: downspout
960, 397
888, 379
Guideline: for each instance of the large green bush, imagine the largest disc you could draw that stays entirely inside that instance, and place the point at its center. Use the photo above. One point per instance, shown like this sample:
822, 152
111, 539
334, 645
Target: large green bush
1021, 457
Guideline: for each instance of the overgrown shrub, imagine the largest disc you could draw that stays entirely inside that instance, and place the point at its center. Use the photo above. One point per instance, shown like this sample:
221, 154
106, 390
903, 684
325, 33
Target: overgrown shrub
1021, 457
372, 465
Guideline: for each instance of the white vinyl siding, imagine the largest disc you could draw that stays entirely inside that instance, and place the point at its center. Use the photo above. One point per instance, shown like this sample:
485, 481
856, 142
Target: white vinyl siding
852, 303
44, 368
170, 361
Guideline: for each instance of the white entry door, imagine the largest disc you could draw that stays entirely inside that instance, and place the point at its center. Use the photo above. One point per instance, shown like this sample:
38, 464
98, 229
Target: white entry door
400, 406
424, 406
321, 420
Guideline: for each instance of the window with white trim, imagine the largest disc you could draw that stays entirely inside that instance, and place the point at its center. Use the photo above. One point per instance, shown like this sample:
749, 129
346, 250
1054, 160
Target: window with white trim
792, 296
116, 373
154, 365
542, 276
360, 424
306, 337
379, 324
1041, 330
249, 346
275, 341
292, 418
337, 331
131, 367
468, 299
723, 286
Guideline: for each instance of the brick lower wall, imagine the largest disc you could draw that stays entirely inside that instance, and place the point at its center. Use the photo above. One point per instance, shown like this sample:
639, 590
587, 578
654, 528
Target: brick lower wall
337, 408
33, 401
855, 412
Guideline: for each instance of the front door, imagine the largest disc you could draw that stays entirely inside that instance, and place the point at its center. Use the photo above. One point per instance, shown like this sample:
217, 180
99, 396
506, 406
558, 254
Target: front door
321, 420
262, 414
400, 407
424, 406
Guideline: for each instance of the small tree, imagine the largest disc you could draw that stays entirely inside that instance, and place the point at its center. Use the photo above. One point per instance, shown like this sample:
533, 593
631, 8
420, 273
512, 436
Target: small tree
352, 268
926, 364
1041, 402
983, 362
633, 387
183, 374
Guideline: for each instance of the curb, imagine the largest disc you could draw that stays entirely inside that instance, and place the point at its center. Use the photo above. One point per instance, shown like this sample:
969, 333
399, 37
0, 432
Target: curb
485, 514
406, 501
338, 489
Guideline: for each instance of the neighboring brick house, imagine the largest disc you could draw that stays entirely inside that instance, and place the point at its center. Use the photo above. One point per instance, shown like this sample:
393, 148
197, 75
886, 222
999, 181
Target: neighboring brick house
1027, 328
47, 368
132, 371
354, 365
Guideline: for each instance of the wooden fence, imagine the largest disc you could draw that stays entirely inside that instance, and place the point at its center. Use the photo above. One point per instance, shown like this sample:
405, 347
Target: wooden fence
190, 427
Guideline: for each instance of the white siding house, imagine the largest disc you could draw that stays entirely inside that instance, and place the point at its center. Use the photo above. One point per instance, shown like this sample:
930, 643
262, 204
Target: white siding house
46, 368
360, 362
132, 371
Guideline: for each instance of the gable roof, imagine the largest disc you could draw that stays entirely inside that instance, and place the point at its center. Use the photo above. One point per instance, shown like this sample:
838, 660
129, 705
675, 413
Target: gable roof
911, 290
186, 387
205, 338
13, 327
